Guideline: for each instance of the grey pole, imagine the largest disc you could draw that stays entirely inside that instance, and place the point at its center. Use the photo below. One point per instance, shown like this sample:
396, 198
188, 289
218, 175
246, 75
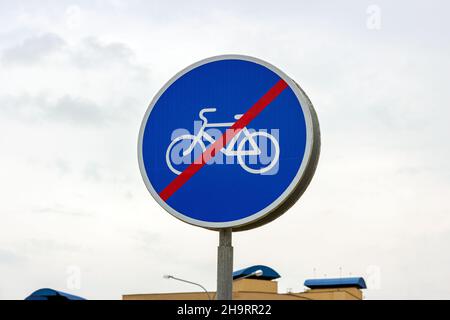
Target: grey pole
225, 265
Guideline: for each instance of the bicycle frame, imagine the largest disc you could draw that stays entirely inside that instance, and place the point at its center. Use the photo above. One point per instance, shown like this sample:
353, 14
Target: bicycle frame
228, 151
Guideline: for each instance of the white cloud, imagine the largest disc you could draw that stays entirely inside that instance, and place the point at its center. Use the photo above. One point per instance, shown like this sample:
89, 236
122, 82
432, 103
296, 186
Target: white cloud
33, 49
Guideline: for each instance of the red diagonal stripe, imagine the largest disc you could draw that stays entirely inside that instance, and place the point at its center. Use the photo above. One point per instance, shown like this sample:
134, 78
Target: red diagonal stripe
213, 149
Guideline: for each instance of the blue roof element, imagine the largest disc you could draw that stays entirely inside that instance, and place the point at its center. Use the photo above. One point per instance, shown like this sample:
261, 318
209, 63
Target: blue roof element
268, 273
50, 294
357, 282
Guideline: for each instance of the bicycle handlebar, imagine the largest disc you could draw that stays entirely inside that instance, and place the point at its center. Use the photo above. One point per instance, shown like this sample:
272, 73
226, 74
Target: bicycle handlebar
203, 111
208, 110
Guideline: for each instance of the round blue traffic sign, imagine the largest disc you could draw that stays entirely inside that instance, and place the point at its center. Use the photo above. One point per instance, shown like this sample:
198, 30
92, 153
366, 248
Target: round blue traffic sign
229, 142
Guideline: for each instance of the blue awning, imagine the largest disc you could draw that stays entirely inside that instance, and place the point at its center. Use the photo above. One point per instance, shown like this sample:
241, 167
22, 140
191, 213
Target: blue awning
50, 294
268, 273
357, 282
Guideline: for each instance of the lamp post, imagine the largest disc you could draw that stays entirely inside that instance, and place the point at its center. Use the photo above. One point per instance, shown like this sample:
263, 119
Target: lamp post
168, 276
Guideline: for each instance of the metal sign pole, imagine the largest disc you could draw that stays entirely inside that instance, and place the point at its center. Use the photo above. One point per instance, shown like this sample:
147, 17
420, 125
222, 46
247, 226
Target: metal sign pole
225, 265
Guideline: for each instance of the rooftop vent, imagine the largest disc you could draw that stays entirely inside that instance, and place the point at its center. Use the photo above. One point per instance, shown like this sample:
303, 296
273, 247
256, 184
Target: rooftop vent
267, 273
50, 294
356, 282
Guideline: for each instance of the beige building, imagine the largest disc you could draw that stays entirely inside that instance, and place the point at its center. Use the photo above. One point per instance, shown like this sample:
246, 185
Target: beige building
249, 286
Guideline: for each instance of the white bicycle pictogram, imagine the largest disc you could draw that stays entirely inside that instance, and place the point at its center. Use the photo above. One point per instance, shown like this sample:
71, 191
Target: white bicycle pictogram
240, 153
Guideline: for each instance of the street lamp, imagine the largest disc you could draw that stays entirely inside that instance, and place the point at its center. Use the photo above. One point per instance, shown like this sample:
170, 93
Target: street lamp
168, 276
256, 273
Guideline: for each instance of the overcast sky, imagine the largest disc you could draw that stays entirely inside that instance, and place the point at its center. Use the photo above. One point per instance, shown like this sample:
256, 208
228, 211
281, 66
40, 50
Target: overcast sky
76, 78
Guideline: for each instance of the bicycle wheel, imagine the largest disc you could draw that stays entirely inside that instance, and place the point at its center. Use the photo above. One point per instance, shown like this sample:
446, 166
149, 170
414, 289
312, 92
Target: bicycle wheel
183, 143
255, 136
